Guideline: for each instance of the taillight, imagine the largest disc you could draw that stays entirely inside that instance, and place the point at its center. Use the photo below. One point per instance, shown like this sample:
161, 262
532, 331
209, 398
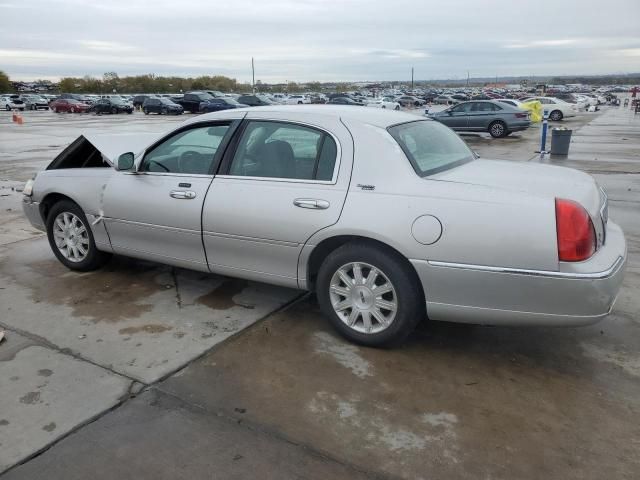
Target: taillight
576, 235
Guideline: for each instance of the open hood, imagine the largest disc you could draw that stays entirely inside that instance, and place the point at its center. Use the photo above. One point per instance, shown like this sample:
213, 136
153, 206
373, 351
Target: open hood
91, 150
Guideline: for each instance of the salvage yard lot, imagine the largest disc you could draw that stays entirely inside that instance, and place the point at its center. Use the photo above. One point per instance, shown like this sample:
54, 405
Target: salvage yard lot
146, 371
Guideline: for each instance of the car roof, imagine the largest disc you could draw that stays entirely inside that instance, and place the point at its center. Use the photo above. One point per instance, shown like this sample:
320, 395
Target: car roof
370, 116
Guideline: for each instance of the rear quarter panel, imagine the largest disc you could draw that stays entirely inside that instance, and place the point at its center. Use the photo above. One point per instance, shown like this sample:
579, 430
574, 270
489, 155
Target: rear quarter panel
480, 225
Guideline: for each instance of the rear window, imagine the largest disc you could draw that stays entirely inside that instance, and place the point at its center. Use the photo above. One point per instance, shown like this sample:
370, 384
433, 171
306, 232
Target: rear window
430, 146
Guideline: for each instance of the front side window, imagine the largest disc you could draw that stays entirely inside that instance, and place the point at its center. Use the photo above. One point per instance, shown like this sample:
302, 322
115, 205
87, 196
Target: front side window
284, 150
462, 108
191, 151
430, 146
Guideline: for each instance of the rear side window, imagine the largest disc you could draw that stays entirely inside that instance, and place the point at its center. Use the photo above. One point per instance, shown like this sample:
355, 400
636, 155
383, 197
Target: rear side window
430, 146
284, 150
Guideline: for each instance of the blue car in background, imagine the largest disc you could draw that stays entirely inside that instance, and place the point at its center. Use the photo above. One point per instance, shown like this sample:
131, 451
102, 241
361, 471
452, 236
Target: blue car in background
219, 103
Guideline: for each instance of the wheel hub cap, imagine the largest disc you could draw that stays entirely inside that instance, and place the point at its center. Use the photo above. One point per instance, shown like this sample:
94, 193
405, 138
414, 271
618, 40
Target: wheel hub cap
363, 297
71, 237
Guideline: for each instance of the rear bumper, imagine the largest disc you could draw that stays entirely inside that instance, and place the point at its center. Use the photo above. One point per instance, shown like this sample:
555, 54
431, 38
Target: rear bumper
578, 294
518, 126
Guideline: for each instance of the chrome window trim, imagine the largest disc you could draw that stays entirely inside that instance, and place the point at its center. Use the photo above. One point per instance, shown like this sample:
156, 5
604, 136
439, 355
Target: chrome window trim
336, 167
536, 273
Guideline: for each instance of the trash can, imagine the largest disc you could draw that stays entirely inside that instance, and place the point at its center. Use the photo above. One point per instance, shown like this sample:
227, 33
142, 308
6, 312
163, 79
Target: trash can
560, 140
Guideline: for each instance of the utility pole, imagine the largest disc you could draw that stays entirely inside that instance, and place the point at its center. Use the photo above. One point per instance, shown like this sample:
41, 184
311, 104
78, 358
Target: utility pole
253, 77
411, 78
467, 78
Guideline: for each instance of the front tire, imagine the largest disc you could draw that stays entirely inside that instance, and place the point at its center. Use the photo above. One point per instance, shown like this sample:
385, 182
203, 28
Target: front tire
498, 129
556, 116
369, 294
71, 238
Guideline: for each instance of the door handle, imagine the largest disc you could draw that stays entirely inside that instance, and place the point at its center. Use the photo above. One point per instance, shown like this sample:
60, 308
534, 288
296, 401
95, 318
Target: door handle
183, 194
311, 203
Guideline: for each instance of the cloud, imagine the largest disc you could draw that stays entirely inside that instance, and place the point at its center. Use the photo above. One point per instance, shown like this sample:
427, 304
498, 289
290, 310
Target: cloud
330, 40
105, 46
545, 43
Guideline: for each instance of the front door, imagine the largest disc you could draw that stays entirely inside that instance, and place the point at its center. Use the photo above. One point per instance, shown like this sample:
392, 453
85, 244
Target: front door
155, 212
276, 188
456, 117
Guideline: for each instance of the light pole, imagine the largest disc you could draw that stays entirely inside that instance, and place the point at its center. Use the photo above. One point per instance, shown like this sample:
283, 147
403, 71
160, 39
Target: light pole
253, 77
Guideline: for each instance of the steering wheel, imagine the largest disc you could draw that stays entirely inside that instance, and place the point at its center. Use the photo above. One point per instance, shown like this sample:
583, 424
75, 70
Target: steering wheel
190, 162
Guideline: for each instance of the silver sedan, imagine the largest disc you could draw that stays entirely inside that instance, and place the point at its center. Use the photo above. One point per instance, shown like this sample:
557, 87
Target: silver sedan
388, 217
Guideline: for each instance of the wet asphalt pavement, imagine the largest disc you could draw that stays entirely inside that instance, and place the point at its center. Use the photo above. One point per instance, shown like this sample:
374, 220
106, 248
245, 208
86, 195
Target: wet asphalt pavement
146, 371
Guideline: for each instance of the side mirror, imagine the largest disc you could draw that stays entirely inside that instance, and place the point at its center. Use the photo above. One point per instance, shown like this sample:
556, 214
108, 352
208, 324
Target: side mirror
125, 161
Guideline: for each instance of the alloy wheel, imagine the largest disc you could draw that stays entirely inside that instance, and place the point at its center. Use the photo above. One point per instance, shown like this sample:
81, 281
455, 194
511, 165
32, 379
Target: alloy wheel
497, 129
363, 297
71, 237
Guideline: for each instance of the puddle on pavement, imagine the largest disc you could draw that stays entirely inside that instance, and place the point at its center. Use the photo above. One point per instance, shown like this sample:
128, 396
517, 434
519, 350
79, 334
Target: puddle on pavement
151, 328
221, 298
122, 282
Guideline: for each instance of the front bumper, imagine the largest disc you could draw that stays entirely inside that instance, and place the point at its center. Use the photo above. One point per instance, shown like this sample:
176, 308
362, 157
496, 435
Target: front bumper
576, 294
32, 212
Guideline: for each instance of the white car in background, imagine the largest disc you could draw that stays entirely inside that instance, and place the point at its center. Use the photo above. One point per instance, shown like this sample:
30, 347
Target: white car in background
558, 109
8, 103
297, 100
386, 102
510, 101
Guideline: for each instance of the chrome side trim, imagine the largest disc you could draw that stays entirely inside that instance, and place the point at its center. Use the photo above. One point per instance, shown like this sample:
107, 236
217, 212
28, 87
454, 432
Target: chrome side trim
150, 225
268, 241
536, 273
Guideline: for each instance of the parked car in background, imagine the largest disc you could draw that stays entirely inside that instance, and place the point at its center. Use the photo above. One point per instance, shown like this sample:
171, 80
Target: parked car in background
9, 103
510, 101
68, 105
138, 100
254, 100
87, 99
34, 102
445, 100
558, 109
385, 102
297, 100
496, 118
112, 105
344, 101
220, 103
410, 101
390, 219
192, 100
161, 106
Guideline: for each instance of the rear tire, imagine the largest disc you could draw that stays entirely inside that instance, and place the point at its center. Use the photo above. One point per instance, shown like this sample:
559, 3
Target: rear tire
498, 129
556, 116
71, 238
350, 301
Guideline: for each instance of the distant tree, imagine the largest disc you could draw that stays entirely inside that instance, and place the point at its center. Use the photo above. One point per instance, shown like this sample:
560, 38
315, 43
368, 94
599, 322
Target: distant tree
110, 80
5, 84
68, 84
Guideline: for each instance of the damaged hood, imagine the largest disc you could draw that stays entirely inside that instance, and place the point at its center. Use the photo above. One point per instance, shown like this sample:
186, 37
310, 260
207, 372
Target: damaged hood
91, 150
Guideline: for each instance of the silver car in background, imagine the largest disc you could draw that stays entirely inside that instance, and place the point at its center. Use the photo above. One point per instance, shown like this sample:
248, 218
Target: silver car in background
497, 118
388, 217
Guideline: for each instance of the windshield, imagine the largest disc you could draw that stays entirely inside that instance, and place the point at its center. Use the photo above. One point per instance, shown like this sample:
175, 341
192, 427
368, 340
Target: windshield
166, 101
430, 146
117, 100
231, 101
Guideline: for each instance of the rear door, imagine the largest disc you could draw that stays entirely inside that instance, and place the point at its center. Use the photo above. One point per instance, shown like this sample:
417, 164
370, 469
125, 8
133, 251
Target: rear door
279, 184
481, 115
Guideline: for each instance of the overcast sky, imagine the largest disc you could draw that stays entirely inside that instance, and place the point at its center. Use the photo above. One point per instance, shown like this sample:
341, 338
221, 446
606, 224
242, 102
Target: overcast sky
325, 40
